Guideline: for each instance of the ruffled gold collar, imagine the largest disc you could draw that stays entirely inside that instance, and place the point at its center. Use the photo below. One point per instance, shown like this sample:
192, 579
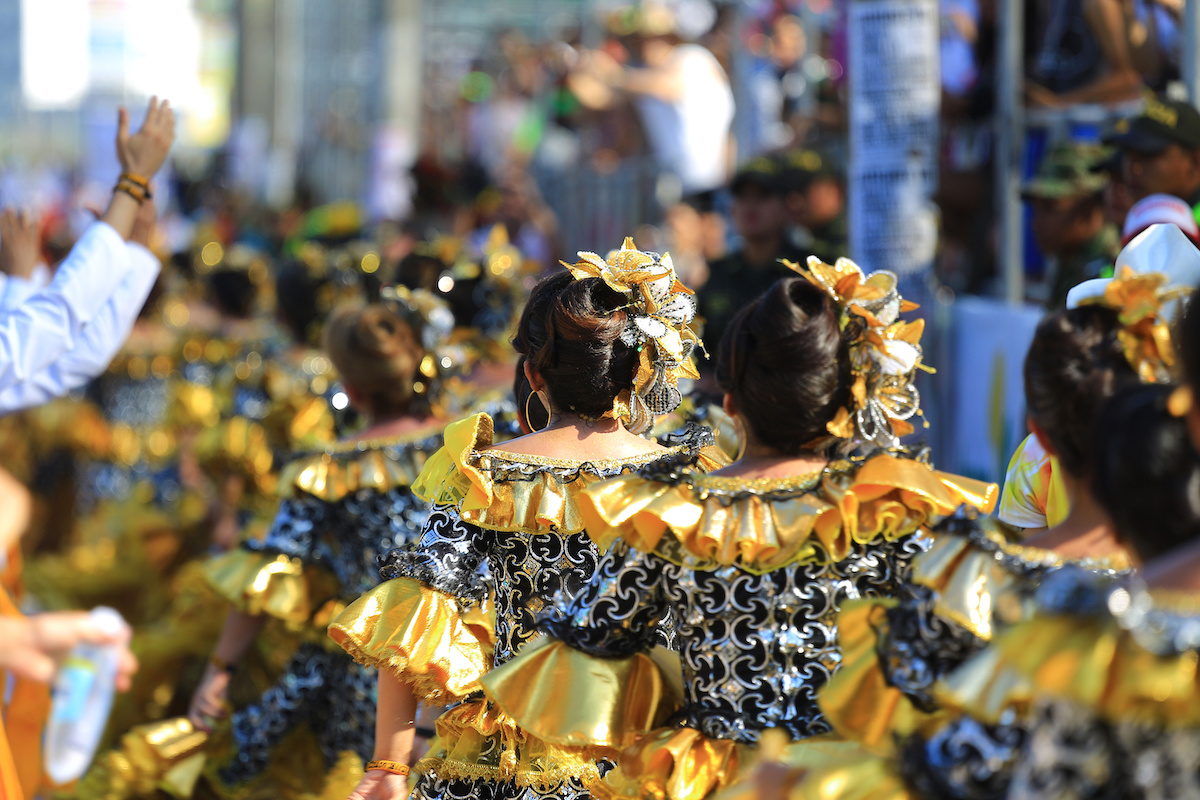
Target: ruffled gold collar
764, 524
982, 578
346, 467
504, 491
1127, 655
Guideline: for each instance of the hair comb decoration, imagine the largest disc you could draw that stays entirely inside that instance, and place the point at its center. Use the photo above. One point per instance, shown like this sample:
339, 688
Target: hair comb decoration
659, 310
1140, 300
431, 318
885, 352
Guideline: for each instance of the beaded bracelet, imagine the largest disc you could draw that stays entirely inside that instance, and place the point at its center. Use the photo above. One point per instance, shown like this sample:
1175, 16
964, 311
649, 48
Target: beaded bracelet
394, 767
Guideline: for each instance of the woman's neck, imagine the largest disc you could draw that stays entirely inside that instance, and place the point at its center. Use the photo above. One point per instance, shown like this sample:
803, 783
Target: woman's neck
1086, 532
394, 425
760, 460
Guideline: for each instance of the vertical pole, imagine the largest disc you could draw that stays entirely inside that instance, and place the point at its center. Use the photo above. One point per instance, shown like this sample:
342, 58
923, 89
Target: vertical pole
1191, 51
1010, 135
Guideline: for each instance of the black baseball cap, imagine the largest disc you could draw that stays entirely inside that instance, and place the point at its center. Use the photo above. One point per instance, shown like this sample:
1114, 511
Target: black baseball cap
1162, 123
762, 172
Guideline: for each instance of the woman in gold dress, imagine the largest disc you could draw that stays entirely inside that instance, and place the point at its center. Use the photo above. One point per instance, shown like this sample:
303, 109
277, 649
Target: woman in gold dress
977, 576
342, 507
752, 561
604, 346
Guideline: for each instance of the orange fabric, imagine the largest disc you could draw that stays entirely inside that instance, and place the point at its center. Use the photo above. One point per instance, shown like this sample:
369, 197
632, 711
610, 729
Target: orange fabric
10, 785
24, 718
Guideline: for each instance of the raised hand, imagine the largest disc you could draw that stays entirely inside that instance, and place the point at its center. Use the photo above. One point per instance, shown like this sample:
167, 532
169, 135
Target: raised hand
18, 243
144, 152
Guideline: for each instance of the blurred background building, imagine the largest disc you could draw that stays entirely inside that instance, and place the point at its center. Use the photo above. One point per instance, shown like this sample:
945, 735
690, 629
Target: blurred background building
730, 132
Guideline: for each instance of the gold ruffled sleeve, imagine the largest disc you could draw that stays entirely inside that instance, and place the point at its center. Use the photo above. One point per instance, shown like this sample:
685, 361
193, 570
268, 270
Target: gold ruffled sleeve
858, 701
238, 446
885, 497
1092, 662
612, 700
165, 757
448, 477
973, 589
269, 584
420, 636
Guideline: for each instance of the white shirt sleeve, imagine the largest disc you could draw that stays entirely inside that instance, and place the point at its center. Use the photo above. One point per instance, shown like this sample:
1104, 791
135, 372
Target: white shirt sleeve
14, 291
98, 342
35, 334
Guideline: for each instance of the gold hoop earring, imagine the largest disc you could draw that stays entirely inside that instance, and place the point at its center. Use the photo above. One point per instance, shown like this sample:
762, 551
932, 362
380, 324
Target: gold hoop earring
528, 420
741, 438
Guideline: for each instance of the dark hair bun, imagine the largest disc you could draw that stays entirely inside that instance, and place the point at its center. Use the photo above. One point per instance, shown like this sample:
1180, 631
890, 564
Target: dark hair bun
1075, 362
1147, 475
784, 361
570, 332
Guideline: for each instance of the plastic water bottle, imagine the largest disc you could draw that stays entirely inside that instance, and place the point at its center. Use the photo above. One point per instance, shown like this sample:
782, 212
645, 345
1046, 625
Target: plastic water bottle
81, 701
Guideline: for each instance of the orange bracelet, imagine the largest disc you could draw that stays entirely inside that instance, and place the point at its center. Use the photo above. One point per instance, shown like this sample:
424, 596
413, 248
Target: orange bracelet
133, 177
394, 767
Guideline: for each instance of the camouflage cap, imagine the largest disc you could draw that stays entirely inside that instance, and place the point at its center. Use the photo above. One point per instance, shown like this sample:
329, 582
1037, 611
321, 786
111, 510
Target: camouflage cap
762, 172
798, 168
1068, 169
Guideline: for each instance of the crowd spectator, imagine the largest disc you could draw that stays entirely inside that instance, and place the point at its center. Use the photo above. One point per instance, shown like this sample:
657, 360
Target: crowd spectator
1160, 150
59, 337
1068, 218
760, 219
815, 197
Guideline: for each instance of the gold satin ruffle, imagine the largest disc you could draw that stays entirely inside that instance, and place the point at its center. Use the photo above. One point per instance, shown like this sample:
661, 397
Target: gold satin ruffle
975, 591
684, 764
1092, 662
885, 497
611, 700
166, 756
238, 446
858, 701
277, 586
421, 636
458, 475
476, 741
331, 478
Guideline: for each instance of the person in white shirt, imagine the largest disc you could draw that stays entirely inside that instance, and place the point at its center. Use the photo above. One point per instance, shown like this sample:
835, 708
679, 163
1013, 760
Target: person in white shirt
100, 339
46, 347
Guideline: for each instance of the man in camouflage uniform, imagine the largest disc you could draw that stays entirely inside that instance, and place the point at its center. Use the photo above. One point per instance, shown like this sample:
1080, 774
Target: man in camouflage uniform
1068, 218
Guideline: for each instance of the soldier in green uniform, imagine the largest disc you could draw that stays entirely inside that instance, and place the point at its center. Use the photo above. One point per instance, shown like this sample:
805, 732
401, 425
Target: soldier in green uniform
1160, 151
761, 221
1068, 218
815, 195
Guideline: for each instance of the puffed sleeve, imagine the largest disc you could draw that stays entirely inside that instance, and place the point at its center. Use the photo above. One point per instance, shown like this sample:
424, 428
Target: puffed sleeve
602, 655
427, 622
279, 575
893, 651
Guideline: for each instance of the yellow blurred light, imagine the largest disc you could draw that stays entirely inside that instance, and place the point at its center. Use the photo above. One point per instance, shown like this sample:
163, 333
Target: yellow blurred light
212, 254
370, 263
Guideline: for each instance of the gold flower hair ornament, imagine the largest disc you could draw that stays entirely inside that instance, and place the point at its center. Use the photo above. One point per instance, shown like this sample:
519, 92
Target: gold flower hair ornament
659, 310
1139, 299
885, 352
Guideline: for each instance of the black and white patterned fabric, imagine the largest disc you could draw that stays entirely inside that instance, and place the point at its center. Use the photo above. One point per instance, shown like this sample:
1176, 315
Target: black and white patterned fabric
755, 648
321, 686
347, 537
324, 689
